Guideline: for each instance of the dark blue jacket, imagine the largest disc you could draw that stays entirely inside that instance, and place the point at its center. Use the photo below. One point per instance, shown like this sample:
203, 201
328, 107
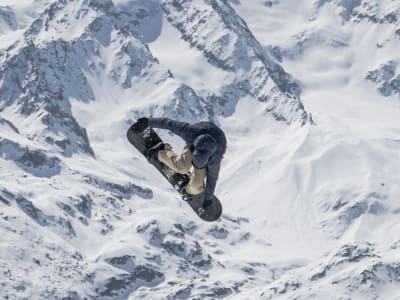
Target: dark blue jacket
207, 143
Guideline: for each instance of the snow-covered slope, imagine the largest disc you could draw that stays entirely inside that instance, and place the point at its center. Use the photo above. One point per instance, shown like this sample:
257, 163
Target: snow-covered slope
311, 204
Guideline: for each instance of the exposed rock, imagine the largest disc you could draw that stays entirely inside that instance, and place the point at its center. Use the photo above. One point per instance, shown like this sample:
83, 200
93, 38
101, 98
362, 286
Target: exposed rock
125, 262
9, 125
371, 203
7, 18
189, 250
124, 191
358, 10
219, 232
106, 226
186, 105
43, 219
386, 79
284, 287
67, 208
346, 254
347, 7
153, 233
37, 77
6, 196
32, 161
84, 205
121, 286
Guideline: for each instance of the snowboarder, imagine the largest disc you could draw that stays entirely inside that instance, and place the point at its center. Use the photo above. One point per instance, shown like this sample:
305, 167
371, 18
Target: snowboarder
201, 157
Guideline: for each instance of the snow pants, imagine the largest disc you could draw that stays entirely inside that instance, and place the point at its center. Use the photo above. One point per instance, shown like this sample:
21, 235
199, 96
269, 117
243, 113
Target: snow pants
183, 164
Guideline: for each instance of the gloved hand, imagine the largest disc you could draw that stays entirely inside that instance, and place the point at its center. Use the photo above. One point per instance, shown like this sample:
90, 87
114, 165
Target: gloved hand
143, 121
140, 125
207, 203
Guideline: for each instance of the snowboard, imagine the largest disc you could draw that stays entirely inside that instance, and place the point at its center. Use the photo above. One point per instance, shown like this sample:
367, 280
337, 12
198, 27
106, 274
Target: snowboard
143, 137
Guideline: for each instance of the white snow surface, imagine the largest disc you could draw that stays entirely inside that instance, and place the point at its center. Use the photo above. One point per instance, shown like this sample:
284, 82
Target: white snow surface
308, 94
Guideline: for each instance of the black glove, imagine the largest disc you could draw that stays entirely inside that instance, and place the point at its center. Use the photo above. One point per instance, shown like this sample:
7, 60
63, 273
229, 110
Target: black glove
140, 125
207, 203
143, 121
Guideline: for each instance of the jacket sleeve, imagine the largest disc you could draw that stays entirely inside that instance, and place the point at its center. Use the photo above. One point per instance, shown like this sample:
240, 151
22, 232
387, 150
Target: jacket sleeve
212, 176
176, 127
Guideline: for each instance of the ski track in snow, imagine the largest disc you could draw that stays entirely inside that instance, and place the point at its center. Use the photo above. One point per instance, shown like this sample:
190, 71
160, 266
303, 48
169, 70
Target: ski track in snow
311, 206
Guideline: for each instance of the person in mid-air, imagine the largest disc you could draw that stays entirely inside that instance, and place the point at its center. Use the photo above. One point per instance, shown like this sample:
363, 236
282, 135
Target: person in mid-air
201, 157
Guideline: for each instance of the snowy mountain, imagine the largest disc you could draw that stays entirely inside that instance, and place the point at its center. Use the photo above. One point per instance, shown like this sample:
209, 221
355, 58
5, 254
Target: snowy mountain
308, 95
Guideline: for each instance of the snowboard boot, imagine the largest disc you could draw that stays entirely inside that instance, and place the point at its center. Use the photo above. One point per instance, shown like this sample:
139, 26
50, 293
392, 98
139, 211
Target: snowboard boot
152, 152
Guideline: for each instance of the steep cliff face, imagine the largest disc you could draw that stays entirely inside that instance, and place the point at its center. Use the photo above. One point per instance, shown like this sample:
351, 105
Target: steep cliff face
56, 55
214, 29
310, 204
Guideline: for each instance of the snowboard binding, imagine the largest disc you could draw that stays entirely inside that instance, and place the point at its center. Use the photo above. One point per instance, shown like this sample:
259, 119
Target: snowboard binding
153, 151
